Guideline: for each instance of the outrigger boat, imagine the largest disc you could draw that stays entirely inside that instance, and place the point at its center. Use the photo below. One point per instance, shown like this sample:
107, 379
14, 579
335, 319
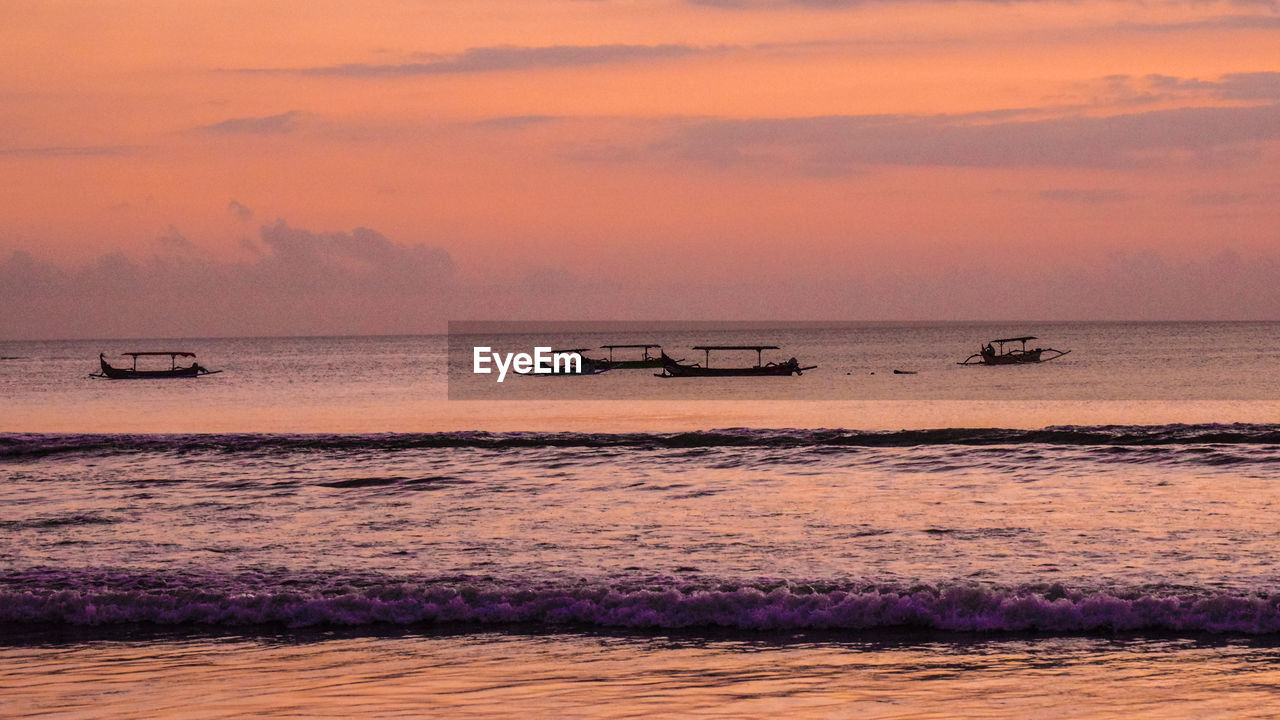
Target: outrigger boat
175, 370
648, 361
673, 368
990, 355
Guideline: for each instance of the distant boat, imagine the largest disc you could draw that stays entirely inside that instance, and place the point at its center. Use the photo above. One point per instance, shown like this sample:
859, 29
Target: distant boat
673, 368
990, 355
133, 373
647, 361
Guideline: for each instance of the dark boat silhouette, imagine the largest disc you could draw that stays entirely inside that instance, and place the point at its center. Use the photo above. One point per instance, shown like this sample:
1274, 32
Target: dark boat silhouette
990, 355
673, 368
133, 373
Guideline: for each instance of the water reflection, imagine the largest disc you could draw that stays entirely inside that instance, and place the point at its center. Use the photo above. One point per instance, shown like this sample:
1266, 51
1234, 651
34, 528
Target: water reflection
406, 674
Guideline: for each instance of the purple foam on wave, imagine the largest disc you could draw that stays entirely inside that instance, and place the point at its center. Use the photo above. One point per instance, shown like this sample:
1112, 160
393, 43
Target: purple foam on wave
30, 445
960, 608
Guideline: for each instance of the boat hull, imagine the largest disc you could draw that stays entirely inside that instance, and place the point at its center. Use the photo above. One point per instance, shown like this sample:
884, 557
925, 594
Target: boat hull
730, 372
671, 368
115, 373
1014, 357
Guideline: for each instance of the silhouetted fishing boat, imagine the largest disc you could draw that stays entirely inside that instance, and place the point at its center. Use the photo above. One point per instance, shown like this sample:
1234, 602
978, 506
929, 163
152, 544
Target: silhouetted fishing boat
133, 373
648, 361
990, 355
673, 368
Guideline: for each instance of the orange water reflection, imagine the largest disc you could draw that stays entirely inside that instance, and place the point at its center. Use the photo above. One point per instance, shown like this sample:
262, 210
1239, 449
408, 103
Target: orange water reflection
495, 675
195, 414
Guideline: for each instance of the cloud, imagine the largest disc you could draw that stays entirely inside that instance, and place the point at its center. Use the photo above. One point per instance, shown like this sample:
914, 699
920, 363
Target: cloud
242, 212
1137, 286
301, 283
740, 5
1222, 22
301, 261
1086, 197
1251, 86
783, 4
68, 151
1255, 86
1223, 198
505, 58
270, 125
173, 241
359, 282
516, 122
820, 145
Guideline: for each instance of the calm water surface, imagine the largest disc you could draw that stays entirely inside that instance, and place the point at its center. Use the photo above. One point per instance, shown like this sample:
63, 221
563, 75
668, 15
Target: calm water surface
567, 675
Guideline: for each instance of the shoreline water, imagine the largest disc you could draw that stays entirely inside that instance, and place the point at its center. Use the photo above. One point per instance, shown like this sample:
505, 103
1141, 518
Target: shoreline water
598, 676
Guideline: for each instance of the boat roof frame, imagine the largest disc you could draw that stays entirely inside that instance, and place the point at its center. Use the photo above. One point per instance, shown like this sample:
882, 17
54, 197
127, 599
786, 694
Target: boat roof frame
612, 347
1016, 339
171, 353
758, 348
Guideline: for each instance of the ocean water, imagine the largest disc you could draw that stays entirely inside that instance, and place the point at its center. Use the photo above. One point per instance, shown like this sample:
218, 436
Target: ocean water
318, 531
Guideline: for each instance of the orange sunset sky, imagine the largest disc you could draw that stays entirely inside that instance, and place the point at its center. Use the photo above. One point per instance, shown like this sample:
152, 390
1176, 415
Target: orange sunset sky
226, 168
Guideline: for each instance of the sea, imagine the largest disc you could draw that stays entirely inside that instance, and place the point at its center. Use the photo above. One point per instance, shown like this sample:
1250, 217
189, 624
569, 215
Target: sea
361, 527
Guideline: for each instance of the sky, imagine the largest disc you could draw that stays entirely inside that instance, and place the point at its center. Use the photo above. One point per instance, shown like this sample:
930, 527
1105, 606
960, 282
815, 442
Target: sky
322, 167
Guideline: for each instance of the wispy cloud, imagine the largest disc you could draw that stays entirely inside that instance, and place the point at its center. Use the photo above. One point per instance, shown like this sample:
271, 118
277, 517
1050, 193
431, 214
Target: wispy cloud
269, 125
516, 122
1220, 22
1223, 198
827, 144
1256, 86
505, 58
240, 210
844, 4
68, 151
1094, 196
782, 4
1251, 86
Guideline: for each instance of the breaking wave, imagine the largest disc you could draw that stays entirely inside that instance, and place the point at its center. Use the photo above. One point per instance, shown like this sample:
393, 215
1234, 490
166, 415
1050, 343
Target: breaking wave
27, 446
84, 599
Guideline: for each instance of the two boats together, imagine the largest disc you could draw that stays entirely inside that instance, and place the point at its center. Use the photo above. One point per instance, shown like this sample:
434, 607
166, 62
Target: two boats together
678, 368
589, 366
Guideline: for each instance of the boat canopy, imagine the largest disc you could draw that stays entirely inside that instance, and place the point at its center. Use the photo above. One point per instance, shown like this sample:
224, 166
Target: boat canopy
643, 348
758, 348
1017, 339
173, 353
